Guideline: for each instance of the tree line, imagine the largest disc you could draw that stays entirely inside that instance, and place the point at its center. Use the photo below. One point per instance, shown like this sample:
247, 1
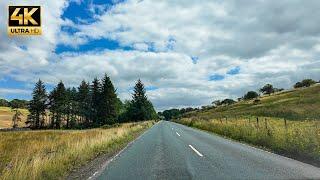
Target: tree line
89, 105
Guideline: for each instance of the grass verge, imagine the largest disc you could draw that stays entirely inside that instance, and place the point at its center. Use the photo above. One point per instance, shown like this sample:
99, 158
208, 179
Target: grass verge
298, 139
52, 154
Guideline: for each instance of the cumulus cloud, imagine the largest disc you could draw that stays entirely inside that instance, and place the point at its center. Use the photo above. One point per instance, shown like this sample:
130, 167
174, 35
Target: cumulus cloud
265, 41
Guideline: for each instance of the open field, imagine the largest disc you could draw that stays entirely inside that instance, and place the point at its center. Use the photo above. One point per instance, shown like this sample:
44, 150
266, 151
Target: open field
297, 104
6, 117
50, 154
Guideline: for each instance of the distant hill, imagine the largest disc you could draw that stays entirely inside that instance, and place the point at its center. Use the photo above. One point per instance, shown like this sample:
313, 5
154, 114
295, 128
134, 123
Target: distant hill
296, 104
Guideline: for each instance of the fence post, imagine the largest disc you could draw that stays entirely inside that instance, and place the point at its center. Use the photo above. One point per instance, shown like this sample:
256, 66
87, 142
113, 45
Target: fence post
285, 123
265, 123
258, 121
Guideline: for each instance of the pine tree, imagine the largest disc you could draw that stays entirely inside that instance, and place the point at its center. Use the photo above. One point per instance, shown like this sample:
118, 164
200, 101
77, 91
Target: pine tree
37, 106
58, 105
108, 103
95, 102
84, 102
140, 107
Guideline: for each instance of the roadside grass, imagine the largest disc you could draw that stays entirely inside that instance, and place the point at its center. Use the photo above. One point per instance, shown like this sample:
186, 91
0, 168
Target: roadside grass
6, 114
298, 139
297, 104
52, 154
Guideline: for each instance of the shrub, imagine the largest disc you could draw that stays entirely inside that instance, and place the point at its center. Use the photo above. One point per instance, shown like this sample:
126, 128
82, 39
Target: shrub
250, 95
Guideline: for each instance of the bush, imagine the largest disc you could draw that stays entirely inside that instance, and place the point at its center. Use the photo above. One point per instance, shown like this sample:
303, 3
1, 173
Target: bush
250, 95
304, 83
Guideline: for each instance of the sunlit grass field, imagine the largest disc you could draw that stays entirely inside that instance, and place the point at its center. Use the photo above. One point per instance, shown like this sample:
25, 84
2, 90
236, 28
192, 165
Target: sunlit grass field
297, 104
6, 114
51, 154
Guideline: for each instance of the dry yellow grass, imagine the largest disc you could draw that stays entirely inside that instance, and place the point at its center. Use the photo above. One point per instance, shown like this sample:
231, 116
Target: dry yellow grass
6, 114
51, 154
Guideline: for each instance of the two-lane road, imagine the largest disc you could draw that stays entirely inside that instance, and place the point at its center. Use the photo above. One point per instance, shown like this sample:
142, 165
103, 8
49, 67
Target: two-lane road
173, 151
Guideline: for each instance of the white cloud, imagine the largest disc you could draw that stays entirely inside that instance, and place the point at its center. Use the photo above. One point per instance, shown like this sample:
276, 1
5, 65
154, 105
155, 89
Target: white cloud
270, 41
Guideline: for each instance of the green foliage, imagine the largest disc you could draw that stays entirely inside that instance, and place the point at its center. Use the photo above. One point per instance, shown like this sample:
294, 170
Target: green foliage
95, 96
108, 102
267, 89
4, 103
37, 106
58, 104
140, 108
84, 102
17, 103
250, 95
227, 102
304, 83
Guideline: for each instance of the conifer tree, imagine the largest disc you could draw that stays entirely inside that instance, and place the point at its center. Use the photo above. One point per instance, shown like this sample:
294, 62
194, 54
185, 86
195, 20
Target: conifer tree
84, 101
95, 102
37, 107
140, 107
108, 103
58, 105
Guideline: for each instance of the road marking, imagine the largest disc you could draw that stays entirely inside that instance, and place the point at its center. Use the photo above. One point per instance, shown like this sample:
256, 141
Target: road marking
178, 134
194, 149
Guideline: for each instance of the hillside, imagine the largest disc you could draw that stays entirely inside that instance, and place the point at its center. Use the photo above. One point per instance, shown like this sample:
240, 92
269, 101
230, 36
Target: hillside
297, 104
6, 117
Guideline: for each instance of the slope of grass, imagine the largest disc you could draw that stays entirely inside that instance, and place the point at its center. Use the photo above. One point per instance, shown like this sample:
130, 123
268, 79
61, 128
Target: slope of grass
51, 154
6, 114
298, 139
298, 104
286, 123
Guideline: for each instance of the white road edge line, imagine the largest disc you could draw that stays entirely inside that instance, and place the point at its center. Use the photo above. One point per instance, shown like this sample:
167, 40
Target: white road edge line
178, 134
194, 149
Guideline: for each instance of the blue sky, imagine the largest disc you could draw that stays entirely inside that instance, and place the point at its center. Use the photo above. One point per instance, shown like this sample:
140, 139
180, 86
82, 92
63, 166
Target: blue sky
186, 53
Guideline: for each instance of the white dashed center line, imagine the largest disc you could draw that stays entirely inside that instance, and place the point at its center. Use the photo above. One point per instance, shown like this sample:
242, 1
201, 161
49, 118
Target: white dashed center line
194, 149
178, 134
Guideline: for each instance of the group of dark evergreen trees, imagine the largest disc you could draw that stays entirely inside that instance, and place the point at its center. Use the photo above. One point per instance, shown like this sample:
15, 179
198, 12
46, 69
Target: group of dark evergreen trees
89, 105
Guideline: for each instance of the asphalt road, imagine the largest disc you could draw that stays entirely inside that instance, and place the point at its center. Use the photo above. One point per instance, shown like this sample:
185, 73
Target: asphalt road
173, 151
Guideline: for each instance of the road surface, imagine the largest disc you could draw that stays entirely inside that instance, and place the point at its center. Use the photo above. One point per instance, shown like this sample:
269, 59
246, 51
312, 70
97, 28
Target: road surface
173, 151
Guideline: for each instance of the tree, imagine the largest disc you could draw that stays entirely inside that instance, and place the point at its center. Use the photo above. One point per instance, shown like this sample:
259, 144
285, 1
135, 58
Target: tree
19, 103
250, 95
267, 89
95, 102
140, 107
216, 103
16, 118
305, 83
171, 113
84, 102
71, 106
58, 105
227, 102
108, 102
4, 103
298, 85
38, 106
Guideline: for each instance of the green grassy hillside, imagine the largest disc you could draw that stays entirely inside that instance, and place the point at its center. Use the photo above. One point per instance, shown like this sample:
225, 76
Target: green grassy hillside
297, 104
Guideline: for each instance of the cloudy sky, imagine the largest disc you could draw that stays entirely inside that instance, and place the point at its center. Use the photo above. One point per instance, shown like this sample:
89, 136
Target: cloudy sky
187, 53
